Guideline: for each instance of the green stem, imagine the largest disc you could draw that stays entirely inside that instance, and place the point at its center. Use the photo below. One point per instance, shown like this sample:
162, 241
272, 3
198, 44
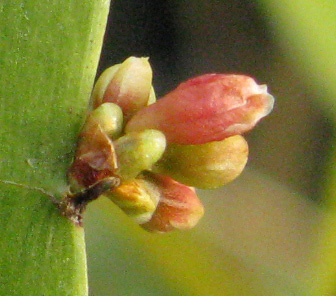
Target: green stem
48, 58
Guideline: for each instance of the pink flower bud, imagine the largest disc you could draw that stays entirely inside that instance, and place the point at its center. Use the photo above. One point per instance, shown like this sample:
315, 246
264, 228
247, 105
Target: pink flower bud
179, 206
206, 108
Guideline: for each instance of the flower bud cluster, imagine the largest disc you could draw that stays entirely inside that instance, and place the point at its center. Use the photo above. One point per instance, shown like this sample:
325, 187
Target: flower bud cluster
160, 151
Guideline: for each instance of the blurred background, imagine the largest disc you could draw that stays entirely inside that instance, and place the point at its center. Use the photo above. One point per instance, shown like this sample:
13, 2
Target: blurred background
269, 232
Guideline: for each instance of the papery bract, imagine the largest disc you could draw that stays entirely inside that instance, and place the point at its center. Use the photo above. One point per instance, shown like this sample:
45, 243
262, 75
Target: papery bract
206, 108
95, 159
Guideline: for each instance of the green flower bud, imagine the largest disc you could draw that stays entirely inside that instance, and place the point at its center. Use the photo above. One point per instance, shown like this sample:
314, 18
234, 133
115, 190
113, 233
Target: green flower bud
102, 84
130, 86
138, 151
137, 198
209, 165
109, 117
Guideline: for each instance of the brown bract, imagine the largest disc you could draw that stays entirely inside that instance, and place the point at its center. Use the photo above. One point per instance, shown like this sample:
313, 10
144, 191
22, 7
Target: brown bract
95, 159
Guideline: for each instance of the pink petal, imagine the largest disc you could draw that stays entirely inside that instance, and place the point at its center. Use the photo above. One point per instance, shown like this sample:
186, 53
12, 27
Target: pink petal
206, 108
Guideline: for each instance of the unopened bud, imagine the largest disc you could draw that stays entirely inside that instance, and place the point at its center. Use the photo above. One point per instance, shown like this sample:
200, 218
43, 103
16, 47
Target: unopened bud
130, 86
209, 165
179, 206
138, 151
208, 108
138, 198
102, 84
109, 117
